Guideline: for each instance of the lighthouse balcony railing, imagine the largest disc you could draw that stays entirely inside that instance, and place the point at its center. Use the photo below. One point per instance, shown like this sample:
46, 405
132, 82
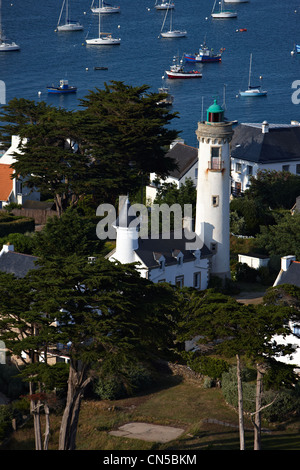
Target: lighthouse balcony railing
216, 165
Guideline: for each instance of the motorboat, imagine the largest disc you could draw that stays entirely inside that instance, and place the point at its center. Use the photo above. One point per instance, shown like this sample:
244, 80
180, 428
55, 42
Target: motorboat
177, 71
63, 87
204, 55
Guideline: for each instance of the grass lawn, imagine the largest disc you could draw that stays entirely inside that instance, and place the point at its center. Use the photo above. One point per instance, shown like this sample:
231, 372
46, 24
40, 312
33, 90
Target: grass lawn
176, 403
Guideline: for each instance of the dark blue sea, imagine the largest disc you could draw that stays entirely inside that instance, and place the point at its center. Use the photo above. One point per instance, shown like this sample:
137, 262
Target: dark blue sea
142, 58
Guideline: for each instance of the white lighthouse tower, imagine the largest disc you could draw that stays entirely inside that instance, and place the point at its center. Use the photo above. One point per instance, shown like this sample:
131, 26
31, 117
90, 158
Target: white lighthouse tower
213, 188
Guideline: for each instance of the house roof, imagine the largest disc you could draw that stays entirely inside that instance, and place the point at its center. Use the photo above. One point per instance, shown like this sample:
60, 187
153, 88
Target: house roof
17, 263
291, 276
151, 250
280, 144
6, 183
185, 157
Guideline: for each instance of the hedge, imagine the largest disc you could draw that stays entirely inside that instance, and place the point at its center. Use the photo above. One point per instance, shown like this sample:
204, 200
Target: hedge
11, 224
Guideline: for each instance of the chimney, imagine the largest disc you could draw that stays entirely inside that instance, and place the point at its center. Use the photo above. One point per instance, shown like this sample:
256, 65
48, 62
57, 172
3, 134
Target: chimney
6, 248
286, 261
265, 127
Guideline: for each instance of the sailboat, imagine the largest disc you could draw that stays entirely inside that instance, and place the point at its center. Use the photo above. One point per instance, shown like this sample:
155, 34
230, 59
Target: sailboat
5, 45
252, 91
236, 1
164, 5
105, 8
103, 39
69, 25
172, 33
222, 13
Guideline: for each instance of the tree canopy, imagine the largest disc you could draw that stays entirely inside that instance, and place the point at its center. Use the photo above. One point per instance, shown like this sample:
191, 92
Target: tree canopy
104, 148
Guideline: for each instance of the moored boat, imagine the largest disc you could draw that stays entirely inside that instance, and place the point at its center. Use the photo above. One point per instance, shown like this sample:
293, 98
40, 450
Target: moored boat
168, 99
204, 55
63, 87
177, 71
104, 8
164, 5
222, 13
252, 90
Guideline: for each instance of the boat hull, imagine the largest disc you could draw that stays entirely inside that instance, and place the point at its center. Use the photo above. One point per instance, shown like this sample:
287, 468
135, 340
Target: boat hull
70, 27
236, 1
7, 47
174, 34
103, 42
104, 10
164, 6
183, 75
197, 58
60, 91
253, 94
224, 15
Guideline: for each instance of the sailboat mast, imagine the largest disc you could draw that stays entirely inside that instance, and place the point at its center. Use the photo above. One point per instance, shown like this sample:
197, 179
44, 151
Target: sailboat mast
0, 21
249, 80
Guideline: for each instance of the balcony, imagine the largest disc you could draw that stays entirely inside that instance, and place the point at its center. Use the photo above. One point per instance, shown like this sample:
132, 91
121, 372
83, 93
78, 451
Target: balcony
215, 164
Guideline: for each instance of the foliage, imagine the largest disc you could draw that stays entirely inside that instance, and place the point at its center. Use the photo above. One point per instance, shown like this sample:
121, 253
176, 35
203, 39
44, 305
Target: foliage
70, 233
283, 238
126, 382
284, 294
10, 382
229, 389
250, 213
23, 243
14, 224
6, 416
274, 189
102, 150
210, 366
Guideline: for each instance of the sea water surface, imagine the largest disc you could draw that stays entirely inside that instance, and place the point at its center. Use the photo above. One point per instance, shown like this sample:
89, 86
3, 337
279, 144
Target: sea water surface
47, 56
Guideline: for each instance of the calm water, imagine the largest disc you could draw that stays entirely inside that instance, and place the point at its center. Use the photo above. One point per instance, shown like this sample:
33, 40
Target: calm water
47, 56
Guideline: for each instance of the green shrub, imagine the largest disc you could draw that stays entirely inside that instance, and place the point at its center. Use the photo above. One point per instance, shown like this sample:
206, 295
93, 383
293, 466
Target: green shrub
12, 224
229, 388
210, 366
10, 384
6, 417
124, 383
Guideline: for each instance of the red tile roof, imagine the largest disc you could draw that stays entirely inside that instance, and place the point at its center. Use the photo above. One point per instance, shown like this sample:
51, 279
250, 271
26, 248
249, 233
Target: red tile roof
6, 183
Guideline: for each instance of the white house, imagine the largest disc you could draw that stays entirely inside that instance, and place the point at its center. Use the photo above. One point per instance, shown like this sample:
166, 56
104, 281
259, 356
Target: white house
263, 146
13, 190
290, 274
186, 158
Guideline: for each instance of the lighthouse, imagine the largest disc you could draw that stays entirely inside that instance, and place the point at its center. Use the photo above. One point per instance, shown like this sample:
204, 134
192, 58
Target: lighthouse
213, 188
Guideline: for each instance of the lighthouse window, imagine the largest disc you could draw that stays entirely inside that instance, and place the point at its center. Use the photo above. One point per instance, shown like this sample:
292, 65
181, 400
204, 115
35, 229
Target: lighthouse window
215, 201
215, 158
215, 152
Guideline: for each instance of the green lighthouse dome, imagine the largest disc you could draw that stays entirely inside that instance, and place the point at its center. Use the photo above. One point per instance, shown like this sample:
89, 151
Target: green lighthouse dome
215, 113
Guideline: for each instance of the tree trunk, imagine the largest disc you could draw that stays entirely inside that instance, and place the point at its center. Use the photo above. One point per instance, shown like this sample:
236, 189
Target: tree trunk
240, 404
257, 420
77, 383
35, 411
47, 426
